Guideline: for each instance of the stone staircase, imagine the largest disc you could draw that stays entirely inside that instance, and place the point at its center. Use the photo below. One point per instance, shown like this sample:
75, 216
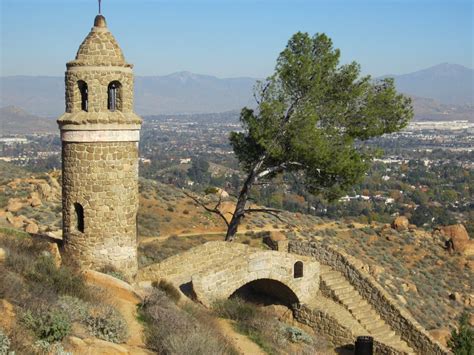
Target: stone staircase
336, 286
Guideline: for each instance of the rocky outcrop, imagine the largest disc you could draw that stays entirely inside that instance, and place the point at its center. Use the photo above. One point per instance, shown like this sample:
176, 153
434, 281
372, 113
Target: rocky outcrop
400, 223
457, 239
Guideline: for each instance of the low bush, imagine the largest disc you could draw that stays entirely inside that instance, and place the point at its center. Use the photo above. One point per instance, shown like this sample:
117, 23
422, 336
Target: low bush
296, 335
112, 271
4, 343
62, 280
106, 323
50, 325
76, 308
462, 339
235, 309
170, 330
171, 291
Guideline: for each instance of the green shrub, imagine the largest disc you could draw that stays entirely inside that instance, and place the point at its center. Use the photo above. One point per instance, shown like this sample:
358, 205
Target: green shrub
106, 323
170, 330
62, 280
76, 308
235, 309
48, 324
462, 339
4, 343
296, 335
112, 271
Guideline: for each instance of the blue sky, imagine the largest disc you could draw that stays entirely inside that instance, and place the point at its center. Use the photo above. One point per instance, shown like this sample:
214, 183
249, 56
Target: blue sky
237, 38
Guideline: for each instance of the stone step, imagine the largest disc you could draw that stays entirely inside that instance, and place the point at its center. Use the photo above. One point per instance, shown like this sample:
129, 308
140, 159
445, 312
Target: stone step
361, 310
357, 304
349, 296
335, 283
345, 291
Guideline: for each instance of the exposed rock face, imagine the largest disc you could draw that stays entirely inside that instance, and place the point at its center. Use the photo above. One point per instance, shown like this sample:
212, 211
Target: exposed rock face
400, 223
3, 255
442, 335
14, 205
457, 239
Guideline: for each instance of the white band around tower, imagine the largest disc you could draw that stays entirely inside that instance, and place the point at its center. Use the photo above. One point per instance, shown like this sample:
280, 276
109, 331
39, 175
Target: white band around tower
101, 136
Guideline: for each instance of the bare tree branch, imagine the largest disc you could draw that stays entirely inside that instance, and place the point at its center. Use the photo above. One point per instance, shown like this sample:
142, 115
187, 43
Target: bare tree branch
270, 211
214, 209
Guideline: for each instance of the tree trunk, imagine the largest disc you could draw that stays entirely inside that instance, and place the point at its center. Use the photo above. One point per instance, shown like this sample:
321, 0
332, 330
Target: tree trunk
239, 211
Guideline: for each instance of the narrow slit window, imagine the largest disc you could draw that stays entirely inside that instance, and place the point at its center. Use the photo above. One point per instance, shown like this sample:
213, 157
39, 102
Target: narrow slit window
298, 270
79, 217
84, 91
114, 96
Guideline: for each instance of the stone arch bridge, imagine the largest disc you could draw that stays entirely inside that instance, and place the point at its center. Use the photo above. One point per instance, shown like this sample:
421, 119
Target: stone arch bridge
217, 270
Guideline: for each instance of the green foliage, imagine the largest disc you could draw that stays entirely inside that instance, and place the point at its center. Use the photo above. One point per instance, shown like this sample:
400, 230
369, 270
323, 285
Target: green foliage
48, 324
106, 323
211, 190
62, 280
311, 114
462, 339
235, 309
170, 330
112, 271
199, 171
4, 343
76, 308
296, 335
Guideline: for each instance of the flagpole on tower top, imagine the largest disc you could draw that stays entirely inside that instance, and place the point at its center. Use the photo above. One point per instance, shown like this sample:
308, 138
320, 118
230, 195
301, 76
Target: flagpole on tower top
100, 7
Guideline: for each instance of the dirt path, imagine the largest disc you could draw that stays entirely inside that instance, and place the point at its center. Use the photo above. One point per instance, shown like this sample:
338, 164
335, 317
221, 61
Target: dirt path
146, 240
241, 343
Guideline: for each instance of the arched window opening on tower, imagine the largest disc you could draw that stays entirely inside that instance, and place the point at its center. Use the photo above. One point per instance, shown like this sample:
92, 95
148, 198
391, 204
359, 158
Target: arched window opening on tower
114, 96
84, 95
298, 270
79, 217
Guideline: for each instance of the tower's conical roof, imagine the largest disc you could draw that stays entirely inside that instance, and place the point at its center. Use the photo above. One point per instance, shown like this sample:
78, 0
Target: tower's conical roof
99, 48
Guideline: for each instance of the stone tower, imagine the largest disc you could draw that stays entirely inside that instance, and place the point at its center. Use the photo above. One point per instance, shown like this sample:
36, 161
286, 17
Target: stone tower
100, 134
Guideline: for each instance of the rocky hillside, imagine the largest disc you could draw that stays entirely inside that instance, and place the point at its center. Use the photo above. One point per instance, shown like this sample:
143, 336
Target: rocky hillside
429, 273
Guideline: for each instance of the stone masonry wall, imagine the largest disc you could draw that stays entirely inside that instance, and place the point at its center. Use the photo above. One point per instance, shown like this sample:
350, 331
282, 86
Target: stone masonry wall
221, 280
397, 317
103, 179
98, 81
340, 332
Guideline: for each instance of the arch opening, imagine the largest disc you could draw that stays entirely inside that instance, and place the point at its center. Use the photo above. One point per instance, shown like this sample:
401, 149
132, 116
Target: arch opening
298, 270
84, 91
114, 101
79, 214
266, 292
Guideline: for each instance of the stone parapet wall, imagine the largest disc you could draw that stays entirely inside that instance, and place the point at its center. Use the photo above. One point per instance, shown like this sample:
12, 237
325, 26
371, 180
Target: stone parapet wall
339, 330
103, 179
222, 280
396, 316
182, 266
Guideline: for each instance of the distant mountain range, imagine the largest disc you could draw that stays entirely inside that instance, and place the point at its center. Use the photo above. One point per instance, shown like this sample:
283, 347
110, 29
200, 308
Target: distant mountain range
444, 91
15, 120
446, 83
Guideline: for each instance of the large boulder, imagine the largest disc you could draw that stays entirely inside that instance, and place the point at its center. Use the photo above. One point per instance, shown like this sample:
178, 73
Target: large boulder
400, 223
457, 239
32, 228
14, 205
